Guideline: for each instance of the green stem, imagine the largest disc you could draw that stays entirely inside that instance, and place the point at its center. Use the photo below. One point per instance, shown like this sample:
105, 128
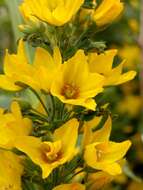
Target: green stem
39, 114
53, 108
40, 100
62, 110
76, 174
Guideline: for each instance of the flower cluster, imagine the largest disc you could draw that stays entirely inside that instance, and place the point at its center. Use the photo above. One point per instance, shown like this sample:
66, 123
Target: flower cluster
64, 141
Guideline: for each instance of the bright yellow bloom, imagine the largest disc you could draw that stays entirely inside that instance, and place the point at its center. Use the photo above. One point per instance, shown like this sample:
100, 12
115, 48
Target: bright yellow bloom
75, 84
107, 12
88, 127
72, 186
13, 125
11, 171
39, 75
55, 12
103, 64
103, 154
49, 155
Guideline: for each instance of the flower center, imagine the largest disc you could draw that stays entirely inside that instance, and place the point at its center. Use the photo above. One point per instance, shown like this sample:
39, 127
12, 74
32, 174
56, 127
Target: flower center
70, 91
51, 152
99, 155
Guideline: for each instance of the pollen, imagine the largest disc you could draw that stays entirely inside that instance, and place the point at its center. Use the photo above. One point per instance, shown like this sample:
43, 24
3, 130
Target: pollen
99, 155
50, 153
70, 91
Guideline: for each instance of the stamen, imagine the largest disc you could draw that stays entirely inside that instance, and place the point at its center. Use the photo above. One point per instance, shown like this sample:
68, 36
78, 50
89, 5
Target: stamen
99, 154
70, 91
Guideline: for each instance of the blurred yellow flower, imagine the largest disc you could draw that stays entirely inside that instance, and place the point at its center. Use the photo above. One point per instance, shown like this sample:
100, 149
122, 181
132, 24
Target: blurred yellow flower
11, 171
135, 186
72, 186
113, 76
135, 3
75, 84
55, 12
99, 179
103, 154
132, 55
134, 25
107, 12
131, 104
13, 125
39, 75
49, 155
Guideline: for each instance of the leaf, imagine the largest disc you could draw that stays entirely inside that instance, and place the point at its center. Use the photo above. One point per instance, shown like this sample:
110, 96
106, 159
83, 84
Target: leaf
16, 20
15, 16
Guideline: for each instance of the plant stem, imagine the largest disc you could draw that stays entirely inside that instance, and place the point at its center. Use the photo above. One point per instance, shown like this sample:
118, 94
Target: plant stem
53, 108
140, 42
40, 100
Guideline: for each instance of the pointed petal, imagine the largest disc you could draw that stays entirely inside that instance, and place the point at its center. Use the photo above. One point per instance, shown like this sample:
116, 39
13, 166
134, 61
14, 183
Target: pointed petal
104, 59
8, 83
69, 129
57, 56
43, 58
116, 151
113, 169
103, 134
126, 77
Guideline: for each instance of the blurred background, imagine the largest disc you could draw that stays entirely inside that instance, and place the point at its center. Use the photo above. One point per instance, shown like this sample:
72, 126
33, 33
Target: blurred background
125, 101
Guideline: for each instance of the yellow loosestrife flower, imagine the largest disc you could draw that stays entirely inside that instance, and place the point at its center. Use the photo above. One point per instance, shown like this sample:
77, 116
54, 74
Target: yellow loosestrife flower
87, 129
99, 179
54, 12
102, 64
39, 75
16, 68
107, 12
11, 171
13, 125
102, 154
132, 55
75, 84
49, 155
131, 105
72, 186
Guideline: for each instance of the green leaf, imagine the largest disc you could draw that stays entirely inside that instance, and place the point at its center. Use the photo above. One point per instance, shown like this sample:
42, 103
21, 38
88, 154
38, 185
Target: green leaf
15, 16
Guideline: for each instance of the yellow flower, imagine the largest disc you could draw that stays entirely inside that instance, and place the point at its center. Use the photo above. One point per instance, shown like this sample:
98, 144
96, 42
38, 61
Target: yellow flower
16, 68
103, 64
75, 84
55, 12
135, 185
87, 128
134, 25
103, 154
72, 186
107, 12
49, 155
132, 55
39, 75
11, 171
13, 125
99, 179
131, 105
